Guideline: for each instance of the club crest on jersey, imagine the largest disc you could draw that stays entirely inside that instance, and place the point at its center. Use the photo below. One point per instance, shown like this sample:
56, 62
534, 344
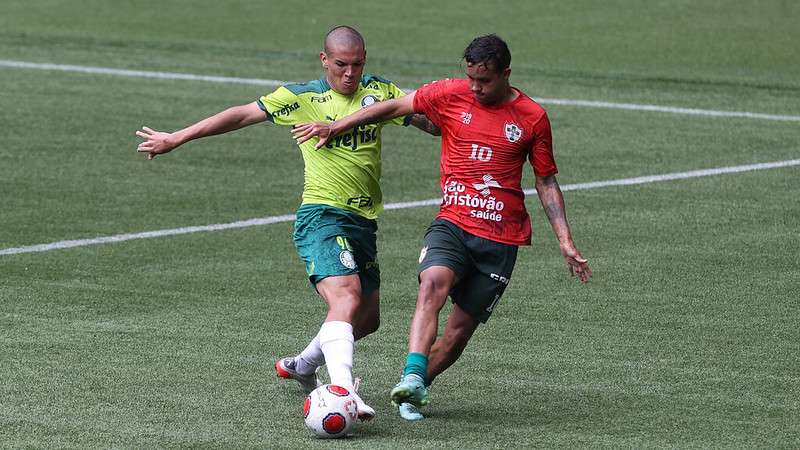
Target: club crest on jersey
513, 132
368, 100
347, 260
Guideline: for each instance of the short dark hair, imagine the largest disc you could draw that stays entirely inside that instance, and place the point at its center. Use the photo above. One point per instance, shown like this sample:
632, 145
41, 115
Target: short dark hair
490, 51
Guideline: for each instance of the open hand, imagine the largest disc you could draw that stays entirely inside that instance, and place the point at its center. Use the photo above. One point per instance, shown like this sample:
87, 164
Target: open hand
305, 131
577, 264
155, 142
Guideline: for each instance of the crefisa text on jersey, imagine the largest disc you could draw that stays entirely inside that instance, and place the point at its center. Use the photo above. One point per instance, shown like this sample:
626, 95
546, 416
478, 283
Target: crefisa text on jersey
486, 207
286, 109
359, 135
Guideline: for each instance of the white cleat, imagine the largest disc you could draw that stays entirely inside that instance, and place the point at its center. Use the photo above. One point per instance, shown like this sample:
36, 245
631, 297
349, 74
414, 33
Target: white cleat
365, 412
286, 368
410, 412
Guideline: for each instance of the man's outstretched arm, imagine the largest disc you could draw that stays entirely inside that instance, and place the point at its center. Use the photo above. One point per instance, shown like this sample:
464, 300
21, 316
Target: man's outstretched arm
158, 142
553, 203
377, 112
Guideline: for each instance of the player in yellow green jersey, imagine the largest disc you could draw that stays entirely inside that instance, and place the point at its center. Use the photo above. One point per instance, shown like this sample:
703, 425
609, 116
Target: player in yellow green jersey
335, 226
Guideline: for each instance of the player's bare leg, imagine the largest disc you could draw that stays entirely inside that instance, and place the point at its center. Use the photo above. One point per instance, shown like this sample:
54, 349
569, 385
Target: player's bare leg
368, 318
304, 366
444, 352
449, 347
435, 285
337, 334
349, 315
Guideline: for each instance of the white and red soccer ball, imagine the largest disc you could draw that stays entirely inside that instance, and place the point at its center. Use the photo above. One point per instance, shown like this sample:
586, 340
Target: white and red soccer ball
330, 411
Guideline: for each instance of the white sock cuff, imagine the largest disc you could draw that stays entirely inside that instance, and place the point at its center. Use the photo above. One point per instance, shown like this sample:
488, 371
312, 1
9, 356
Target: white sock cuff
310, 358
334, 331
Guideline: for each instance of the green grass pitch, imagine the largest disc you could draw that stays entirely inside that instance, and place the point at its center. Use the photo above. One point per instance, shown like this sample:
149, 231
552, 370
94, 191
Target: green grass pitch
687, 336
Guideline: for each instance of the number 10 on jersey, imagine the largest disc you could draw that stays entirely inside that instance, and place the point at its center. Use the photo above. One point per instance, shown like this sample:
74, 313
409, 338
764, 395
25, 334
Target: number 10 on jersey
480, 153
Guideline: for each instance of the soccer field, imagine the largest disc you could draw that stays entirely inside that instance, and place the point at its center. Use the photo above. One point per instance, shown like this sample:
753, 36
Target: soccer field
140, 309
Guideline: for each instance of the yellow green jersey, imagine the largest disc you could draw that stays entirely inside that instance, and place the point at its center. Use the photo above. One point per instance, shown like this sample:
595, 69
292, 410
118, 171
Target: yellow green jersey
346, 172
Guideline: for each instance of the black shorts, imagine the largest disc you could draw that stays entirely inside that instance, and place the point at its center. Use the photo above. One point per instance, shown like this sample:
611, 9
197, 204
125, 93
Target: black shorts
483, 267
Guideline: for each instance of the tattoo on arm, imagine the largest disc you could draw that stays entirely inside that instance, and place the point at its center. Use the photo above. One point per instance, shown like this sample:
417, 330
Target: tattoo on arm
554, 211
553, 204
423, 123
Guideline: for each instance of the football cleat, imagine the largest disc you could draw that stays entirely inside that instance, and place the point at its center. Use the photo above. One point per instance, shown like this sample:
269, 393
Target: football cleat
285, 368
410, 412
365, 412
410, 389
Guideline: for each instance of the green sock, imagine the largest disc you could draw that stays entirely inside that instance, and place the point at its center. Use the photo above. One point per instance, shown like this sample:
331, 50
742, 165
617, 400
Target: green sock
416, 363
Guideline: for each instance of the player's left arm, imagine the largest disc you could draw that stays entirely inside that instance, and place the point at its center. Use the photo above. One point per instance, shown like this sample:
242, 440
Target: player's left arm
553, 203
422, 122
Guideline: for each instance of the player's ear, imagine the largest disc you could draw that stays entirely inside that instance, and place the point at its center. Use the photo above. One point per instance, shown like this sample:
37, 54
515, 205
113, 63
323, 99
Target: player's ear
323, 59
507, 72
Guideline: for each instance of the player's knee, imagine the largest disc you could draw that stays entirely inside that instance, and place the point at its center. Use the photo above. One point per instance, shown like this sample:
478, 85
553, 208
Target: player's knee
432, 292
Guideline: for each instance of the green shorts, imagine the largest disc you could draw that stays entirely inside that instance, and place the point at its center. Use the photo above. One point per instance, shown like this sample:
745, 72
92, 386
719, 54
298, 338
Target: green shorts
332, 242
483, 267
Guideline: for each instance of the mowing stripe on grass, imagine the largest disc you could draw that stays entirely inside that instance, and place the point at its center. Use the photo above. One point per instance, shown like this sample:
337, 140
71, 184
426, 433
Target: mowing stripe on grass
401, 205
267, 82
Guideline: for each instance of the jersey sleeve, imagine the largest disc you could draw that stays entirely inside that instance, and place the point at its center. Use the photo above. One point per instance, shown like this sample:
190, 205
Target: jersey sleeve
428, 98
541, 153
283, 107
392, 91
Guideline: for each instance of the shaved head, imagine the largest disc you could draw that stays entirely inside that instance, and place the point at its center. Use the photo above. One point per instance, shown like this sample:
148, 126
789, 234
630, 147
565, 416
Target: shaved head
343, 59
343, 37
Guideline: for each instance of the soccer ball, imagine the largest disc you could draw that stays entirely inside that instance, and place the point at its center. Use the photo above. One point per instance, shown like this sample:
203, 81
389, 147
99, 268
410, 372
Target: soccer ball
330, 411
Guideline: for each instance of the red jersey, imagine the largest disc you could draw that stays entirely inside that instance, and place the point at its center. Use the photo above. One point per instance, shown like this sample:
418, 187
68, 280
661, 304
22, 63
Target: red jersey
483, 151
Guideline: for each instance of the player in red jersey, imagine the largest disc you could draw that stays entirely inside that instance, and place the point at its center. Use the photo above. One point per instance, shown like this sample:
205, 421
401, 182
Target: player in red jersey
489, 129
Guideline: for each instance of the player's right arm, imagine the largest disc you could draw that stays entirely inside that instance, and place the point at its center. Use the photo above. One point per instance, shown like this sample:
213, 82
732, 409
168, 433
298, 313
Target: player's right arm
552, 200
377, 112
158, 142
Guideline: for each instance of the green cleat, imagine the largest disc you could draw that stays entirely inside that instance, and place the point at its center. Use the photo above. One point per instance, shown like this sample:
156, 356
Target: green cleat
410, 412
411, 389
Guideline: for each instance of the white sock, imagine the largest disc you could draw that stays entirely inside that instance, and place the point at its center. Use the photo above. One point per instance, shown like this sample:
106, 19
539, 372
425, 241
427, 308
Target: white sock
336, 341
309, 359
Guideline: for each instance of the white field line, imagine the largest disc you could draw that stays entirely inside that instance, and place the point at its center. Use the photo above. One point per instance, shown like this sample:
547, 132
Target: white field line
668, 109
402, 205
275, 83
138, 73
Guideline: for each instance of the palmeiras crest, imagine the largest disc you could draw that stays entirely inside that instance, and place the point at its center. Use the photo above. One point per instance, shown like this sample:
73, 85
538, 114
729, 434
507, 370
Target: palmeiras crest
513, 132
368, 100
347, 259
